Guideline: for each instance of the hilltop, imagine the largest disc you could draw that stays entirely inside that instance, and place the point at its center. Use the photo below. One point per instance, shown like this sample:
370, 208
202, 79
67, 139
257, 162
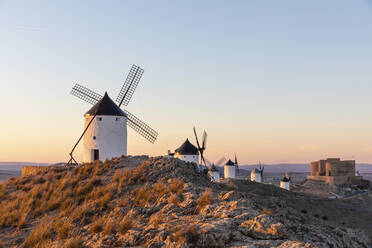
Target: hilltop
165, 202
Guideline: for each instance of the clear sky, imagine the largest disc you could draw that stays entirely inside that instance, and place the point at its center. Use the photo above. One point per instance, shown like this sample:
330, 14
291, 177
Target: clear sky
274, 81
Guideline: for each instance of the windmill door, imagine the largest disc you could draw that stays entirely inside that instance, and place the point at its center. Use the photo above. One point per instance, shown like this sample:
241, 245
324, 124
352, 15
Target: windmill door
95, 154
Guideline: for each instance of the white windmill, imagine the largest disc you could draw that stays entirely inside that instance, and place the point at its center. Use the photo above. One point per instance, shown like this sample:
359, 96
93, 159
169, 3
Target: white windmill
285, 182
105, 127
257, 174
213, 172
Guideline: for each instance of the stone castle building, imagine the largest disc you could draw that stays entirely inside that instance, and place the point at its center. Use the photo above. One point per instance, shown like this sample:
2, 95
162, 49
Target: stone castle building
334, 171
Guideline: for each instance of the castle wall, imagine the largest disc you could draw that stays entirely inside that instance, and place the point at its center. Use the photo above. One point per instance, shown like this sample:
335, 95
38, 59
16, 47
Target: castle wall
313, 168
322, 168
333, 171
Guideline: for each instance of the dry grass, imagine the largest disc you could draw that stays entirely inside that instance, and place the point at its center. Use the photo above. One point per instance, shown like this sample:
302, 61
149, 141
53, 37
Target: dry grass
174, 199
64, 229
125, 225
110, 228
42, 233
74, 243
156, 220
267, 211
204, 200
176, 186
143, 196
97, 225
189, 235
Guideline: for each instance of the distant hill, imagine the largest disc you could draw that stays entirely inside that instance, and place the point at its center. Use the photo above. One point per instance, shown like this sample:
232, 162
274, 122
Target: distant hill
17, 166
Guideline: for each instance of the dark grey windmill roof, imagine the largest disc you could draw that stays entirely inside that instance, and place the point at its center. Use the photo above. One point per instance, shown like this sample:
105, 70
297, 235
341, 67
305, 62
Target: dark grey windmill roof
285, 179
106, 106
187, 149
213, 168
256, 171
230, 162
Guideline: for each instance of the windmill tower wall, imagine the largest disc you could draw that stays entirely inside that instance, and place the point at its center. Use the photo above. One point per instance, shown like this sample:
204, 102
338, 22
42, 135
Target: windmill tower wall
284, 185
188, 158
215, 175
229, 171
256, 177
107, 134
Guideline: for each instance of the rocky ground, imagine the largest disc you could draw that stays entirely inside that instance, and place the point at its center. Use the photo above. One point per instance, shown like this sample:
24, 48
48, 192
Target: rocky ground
165, 202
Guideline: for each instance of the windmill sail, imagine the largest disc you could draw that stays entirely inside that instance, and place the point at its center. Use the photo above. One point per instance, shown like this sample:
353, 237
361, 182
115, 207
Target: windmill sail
85, 94
135, 123
130, 85
141, 127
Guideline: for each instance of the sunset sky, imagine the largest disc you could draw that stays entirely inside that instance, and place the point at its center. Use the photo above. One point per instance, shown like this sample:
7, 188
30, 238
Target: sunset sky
273, 81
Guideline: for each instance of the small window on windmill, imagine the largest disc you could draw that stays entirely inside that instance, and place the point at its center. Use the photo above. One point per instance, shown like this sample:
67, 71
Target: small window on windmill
117, 119
94, 137
100, 118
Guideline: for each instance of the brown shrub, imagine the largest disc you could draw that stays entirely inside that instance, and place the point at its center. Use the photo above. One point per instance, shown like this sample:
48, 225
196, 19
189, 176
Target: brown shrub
204, 200
125, 225
82, 213
23, 219
267, 211
110, 228
74, 243
188, 235
176, 186
156, 220
160, 188
103, 202
64, 229
43, 232
143, 196
97, 225
116, 176
173, 199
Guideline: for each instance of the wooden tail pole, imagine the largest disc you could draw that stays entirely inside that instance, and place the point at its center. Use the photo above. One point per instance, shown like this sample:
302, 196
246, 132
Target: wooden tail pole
73, 149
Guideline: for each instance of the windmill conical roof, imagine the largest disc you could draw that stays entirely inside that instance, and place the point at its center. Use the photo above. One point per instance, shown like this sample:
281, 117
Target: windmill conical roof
229, 162
187, 149
106, 106
255, 171
213, 168
285, 179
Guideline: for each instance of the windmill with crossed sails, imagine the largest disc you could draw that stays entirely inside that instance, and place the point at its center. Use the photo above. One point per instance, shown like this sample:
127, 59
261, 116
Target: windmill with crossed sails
105, 124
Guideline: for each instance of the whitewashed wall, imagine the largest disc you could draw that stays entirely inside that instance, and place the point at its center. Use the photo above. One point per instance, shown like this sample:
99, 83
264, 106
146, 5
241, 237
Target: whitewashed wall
284, 185
229, 171
188, 158
111, 137
256, 177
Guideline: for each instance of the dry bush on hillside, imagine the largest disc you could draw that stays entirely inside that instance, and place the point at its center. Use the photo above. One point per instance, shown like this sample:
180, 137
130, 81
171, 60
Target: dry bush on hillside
176, 186
143, 196
204, 200
174, 199
160, 188
125, 225
40, 234
267, 211
188, 235
156, 220
74, 243
64, 228
110, 228
97, 225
